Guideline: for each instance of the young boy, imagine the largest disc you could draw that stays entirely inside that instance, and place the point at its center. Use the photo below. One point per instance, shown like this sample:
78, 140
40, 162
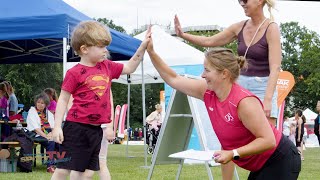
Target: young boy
89, 84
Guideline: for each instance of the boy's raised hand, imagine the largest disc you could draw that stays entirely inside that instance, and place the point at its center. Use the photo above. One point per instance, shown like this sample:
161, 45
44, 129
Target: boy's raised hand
150, 44
145, 42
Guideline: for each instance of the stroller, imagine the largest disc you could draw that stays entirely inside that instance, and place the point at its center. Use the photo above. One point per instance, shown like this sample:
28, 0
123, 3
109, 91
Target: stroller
153, 132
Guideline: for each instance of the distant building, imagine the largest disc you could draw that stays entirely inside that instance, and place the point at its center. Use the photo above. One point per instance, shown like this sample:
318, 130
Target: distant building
170, 30
208, 28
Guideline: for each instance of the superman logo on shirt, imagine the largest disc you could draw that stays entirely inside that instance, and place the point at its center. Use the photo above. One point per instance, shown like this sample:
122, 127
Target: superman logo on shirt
97, 83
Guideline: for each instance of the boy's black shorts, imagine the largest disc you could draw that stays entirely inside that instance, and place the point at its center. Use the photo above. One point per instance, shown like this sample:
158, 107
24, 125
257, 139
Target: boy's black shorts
82, 146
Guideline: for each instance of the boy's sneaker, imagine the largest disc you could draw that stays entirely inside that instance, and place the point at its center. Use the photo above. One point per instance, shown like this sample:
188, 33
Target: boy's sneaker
50, 169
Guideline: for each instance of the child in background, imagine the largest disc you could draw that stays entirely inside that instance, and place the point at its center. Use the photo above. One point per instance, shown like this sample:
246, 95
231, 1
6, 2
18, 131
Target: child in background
53, 99
140, 134
286, 127
292, 135
304, 138
135, 134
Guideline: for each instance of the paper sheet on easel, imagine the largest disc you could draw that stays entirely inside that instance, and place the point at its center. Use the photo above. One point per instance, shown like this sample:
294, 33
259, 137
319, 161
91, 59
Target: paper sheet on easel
194, 154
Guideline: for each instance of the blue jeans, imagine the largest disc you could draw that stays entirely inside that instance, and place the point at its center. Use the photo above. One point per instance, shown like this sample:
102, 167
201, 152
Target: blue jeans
258, 86
49, 146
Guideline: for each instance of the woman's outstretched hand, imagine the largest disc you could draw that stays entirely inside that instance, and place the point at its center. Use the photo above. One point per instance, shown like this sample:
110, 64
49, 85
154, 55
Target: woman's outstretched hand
150, 42
177, 26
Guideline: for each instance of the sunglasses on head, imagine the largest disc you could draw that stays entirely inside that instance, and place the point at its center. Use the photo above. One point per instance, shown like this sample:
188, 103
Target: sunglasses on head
244, 1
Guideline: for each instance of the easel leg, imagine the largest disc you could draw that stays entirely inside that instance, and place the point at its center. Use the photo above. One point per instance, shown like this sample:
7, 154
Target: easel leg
179, 169
236, 173
209, 171
151, 169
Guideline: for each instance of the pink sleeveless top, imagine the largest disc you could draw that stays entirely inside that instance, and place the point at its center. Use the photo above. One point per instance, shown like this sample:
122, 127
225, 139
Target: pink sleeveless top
230, 131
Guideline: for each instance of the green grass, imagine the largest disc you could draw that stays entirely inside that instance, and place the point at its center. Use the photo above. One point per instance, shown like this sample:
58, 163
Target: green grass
123, 168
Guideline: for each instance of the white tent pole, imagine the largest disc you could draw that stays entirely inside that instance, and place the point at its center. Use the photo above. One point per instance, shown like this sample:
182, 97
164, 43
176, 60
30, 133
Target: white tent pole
128, 113
65, 50
64, 56
144, 115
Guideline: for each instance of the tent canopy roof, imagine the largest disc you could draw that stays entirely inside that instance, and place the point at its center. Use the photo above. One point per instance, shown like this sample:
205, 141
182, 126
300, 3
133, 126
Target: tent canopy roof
310, 115
32, 31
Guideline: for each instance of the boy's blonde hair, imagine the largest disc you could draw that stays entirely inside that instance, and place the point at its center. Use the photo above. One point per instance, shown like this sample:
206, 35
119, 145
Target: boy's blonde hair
90, 33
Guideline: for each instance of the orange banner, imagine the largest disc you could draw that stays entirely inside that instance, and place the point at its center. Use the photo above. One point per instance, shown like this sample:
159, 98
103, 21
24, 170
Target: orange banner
284, 85
163, 104
162, 96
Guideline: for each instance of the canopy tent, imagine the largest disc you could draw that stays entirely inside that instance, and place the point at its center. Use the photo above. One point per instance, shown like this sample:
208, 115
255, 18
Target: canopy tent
33, 31
310, 115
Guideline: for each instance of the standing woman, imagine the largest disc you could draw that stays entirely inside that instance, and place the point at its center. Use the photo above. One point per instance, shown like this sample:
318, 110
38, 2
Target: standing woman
300, 120
13, 101
53, 99
259, 42
237, 118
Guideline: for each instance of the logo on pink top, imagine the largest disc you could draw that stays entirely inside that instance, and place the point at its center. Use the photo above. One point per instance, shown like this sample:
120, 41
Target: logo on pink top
228, 117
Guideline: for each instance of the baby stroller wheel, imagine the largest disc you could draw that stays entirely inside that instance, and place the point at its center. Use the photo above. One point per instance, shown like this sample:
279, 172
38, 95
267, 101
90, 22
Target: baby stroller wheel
150, 150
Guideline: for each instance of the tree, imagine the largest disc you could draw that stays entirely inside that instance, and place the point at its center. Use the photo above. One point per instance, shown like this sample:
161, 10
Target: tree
111, 25
152, 97
301, 57
233, 45
31, 79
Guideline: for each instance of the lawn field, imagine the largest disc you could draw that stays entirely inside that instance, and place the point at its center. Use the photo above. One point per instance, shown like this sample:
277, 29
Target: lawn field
123, 168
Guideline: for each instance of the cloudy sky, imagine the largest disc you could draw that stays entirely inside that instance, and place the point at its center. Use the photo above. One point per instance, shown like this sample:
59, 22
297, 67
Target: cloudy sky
131, 14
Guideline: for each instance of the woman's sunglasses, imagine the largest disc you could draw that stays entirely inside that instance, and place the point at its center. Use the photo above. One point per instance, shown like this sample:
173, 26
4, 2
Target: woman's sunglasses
244, 1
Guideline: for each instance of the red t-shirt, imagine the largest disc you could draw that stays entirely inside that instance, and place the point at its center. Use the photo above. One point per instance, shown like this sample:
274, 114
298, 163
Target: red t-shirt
230, 131
90, 88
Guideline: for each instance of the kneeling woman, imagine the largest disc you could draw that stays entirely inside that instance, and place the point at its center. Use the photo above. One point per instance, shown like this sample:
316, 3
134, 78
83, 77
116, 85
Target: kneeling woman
41, 121
237, 118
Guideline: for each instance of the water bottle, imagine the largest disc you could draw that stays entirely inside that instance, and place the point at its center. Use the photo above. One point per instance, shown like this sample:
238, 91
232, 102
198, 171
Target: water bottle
19, 126
24, 115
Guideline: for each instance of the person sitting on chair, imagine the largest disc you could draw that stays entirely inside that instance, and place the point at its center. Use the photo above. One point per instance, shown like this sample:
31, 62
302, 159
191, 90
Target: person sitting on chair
41, 121
155, 118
